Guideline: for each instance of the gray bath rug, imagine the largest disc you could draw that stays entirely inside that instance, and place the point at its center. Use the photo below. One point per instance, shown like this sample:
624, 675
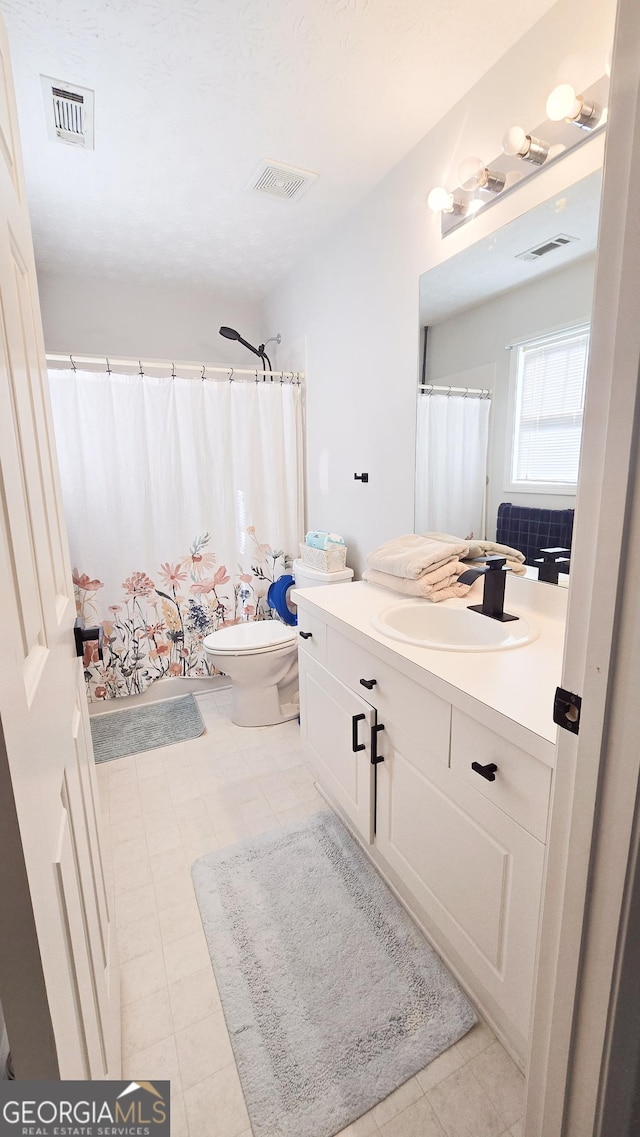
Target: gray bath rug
144, 728
331, 995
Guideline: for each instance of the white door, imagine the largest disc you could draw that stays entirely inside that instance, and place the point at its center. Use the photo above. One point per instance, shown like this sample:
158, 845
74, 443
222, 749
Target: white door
58, 971
593, 851
336, 726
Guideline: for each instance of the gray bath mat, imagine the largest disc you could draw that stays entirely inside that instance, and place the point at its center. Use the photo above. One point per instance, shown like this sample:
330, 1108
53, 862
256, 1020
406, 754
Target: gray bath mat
331, 995
145, 728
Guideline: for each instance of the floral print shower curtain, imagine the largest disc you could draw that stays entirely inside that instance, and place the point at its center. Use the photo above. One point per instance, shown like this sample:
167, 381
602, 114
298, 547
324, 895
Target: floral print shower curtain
183, 502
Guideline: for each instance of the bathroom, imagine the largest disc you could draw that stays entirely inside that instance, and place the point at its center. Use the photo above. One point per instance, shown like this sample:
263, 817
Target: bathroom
345, 301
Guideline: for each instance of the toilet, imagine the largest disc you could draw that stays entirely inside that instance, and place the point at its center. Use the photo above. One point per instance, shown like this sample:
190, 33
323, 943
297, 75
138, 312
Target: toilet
261, 656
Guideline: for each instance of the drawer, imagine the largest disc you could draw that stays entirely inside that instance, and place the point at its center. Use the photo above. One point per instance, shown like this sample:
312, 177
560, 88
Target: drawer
522, 784
415, 713
312, 634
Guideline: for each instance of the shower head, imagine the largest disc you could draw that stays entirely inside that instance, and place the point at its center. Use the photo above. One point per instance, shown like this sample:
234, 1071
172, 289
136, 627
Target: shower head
232, 334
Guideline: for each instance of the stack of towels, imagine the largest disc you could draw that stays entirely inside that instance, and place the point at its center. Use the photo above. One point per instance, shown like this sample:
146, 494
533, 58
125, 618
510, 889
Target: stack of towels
429, 566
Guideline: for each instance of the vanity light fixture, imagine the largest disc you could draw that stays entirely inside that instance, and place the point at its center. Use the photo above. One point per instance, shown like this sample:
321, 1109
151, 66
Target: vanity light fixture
518, 144
525, 152
442, 201
474, 175
563, 103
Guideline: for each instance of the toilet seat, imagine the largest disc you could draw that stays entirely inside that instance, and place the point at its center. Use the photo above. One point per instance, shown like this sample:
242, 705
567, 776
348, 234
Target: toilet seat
255, 637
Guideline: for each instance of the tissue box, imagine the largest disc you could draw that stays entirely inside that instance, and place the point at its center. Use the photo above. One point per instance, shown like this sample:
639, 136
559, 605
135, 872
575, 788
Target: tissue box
332, 559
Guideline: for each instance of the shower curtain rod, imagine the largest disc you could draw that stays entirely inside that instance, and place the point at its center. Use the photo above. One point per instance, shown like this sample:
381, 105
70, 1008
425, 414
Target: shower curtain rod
471, 392
204, 370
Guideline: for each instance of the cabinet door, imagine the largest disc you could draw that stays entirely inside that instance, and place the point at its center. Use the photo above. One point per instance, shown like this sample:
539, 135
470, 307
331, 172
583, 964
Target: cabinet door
421, 715
334, 722
475, 872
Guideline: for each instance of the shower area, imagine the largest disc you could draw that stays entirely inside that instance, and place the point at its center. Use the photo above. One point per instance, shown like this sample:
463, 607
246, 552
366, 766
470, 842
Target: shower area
183, 493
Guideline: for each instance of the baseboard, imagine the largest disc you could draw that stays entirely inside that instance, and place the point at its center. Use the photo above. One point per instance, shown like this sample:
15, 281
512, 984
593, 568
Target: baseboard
163, 689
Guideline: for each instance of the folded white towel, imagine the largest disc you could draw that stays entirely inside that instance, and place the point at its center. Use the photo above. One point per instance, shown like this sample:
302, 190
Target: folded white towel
413, 556
481, 548
443, 588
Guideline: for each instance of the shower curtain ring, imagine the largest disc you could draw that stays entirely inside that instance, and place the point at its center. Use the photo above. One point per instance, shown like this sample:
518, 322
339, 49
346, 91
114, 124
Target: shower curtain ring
231, 374
256, 374
449, 391
203, 376
72, 363
140, 366
108, 368
173, 370
466, 392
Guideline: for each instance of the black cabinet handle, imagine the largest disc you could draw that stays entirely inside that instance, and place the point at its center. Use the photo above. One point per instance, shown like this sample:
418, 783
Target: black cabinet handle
375, 757
488, 772
368, 683
306, 635
355, 745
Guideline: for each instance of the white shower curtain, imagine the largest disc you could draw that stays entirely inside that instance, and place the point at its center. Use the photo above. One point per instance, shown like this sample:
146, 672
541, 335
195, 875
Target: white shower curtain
451, 464
183, 501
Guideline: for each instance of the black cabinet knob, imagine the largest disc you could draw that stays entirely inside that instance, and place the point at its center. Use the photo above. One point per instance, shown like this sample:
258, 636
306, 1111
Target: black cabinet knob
488, 771
306, 635
368, 683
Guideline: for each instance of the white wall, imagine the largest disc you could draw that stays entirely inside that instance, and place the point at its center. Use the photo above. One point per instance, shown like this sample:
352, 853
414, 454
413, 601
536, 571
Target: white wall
480, 335
349, 312
102, 316
355, 299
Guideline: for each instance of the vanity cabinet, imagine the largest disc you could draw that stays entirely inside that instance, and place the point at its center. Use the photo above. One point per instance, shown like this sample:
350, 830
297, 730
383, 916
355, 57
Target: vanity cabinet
465, 853
337, 726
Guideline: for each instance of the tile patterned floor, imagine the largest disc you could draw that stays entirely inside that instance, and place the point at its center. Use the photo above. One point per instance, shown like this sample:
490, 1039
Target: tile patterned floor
165, 808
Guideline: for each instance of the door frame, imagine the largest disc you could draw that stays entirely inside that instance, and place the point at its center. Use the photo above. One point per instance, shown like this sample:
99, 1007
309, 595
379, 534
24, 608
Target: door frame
587, 916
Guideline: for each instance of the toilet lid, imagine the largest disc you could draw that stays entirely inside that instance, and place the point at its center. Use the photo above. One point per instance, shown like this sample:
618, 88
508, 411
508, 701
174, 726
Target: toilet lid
253, 635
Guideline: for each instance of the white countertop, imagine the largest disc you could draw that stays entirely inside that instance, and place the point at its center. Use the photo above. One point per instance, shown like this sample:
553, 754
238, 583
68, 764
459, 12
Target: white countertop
518, 684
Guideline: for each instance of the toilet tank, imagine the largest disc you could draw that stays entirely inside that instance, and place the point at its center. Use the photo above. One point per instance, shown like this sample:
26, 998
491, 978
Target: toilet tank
306, 577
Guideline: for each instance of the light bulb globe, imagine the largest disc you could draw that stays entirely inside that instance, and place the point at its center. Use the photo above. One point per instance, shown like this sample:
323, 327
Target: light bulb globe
515, 141
440, 199
471, 173
563, 103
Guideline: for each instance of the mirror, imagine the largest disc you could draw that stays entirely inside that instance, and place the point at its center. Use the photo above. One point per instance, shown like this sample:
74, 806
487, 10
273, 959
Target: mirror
504, 343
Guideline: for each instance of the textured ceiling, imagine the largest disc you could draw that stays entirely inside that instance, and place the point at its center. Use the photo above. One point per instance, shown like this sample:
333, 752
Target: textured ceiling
192, 94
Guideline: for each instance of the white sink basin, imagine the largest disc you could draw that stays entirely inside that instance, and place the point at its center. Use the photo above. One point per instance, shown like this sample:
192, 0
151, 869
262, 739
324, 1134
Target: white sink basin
450, 626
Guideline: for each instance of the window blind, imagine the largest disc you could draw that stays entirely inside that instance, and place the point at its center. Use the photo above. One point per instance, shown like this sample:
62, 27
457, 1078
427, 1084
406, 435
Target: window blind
550, 389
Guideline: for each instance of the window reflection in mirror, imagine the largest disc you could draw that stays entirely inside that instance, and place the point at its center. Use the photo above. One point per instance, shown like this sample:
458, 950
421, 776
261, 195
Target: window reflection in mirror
505, 332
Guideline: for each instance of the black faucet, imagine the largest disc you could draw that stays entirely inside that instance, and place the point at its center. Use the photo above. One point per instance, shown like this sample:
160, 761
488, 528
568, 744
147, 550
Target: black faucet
552, 562
495, 576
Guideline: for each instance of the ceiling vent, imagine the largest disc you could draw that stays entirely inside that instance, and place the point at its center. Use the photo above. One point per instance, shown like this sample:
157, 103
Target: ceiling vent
281, 181
69, 112
546, 247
